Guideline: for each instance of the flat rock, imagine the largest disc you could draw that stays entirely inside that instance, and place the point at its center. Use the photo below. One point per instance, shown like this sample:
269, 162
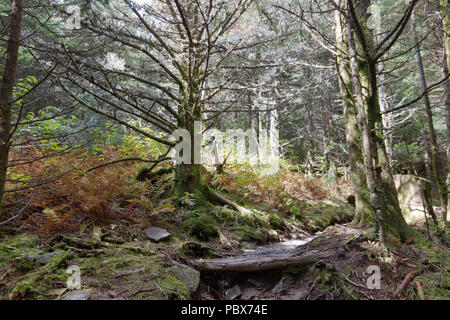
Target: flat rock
45, 258
249, 293
157, 234
233, 293
409, 192
190, 277
77, 295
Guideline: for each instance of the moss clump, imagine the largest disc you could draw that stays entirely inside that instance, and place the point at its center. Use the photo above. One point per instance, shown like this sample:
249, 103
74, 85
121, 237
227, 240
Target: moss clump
275, 221
202, 227
174, 288
291, 208
250, 234
295, 272
262, 221
329, 281
327, 213
224, 214
436, 286
246, 219
16, 248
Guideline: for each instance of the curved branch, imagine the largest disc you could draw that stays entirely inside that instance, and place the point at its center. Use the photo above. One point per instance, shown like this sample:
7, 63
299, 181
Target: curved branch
127, 159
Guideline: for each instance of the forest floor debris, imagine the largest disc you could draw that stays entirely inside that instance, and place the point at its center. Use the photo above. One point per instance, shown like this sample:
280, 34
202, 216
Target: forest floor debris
117, 260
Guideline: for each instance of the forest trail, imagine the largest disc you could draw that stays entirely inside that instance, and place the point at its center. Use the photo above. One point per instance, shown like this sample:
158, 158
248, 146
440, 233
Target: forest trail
335, 259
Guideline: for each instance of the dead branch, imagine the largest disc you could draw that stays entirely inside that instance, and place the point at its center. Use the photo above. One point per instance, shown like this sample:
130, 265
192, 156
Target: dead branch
406, 281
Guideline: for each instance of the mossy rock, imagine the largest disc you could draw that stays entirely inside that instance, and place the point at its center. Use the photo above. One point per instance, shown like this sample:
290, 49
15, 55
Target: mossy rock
328, 213
173, 288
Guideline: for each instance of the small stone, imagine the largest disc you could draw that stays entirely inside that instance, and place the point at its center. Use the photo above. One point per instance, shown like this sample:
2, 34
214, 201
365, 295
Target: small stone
77, 295
249, 293
45, 258
157, 234
249, 245
190, 277
106, 261
233, 293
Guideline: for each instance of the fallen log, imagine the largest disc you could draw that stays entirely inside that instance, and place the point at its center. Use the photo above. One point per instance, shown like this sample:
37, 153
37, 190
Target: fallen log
256, 263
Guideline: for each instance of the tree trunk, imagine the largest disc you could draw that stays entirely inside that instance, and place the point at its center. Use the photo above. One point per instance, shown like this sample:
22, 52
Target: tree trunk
388, 215
6, 90
435, 160
189, 176
363, 212
188, 179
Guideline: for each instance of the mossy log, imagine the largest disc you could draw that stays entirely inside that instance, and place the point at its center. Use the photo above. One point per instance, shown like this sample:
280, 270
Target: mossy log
28, 281
256, 263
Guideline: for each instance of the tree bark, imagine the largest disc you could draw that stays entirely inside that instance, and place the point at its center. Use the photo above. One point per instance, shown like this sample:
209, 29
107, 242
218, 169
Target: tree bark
6, 90
363, 211
388, 215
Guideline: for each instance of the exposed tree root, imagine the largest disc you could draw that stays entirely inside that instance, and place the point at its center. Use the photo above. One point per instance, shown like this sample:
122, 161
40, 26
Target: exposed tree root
215, 197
